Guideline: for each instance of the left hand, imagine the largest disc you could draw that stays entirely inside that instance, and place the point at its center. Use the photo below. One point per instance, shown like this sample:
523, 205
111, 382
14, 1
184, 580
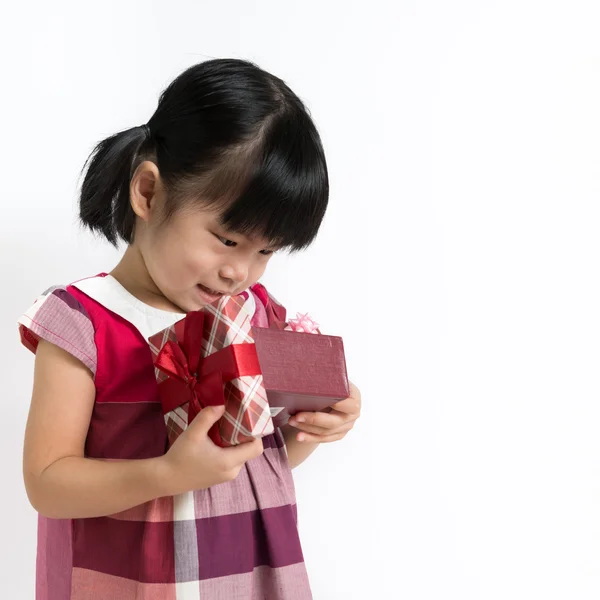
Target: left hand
320, 427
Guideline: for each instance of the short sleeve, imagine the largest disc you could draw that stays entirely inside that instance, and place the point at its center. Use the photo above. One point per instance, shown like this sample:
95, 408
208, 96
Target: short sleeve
60, 319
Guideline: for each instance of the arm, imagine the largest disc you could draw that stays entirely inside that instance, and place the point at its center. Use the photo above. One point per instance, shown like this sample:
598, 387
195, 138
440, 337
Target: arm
61, 483
306, 430
297, 451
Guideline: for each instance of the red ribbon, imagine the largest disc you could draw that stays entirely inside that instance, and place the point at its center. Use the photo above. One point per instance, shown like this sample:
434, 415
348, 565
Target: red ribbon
197, 380
276, 314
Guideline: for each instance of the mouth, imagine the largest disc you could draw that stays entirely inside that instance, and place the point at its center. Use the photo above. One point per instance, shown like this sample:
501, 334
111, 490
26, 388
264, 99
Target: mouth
209, 294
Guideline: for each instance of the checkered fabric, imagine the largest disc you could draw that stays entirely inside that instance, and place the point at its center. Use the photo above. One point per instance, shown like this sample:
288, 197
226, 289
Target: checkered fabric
234, 541
247, 413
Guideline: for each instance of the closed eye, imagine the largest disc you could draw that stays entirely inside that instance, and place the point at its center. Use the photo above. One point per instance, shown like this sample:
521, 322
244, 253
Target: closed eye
226, 242
232, 244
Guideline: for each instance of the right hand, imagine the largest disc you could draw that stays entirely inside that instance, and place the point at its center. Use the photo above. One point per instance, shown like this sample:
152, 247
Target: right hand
195, 462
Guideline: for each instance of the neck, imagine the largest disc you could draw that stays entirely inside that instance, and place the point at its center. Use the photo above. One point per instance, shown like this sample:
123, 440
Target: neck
131, 272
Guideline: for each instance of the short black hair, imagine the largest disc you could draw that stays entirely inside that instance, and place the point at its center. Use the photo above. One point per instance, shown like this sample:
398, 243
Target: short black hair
225, 133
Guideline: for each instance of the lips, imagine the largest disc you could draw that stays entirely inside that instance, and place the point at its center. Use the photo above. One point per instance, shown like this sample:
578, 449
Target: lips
208, 295
211, 291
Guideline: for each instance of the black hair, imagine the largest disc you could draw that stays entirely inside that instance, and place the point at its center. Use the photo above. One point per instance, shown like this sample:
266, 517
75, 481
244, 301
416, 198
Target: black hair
225, 133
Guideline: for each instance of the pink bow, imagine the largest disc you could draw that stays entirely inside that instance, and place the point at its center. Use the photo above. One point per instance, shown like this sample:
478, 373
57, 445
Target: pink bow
303, 324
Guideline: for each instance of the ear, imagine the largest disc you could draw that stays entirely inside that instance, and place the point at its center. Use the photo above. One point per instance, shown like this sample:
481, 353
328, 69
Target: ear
144, 190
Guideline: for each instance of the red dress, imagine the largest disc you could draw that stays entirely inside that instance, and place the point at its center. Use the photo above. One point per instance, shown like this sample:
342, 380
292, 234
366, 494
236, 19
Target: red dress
234, 541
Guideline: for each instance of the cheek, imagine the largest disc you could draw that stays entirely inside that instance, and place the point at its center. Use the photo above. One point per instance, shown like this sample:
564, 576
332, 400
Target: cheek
256, 272
173, 263
187, 266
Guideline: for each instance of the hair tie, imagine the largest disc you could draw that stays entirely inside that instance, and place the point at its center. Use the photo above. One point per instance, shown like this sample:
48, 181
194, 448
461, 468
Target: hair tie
147, 132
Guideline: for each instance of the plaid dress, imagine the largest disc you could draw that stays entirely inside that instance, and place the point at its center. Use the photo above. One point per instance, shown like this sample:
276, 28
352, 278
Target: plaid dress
234, 541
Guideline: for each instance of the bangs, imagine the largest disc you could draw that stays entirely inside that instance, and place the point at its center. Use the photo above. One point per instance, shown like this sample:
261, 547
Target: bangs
274, 186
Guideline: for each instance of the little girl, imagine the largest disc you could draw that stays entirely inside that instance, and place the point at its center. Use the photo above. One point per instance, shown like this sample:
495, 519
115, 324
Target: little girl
228, 170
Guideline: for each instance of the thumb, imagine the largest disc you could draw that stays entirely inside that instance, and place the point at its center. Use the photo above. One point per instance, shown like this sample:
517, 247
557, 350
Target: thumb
205, 419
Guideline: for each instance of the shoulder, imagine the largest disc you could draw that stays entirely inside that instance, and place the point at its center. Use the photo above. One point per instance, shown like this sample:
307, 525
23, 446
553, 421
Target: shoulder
58, 317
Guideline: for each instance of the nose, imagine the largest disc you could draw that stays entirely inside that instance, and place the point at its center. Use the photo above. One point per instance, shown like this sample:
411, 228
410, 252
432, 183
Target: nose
234, 271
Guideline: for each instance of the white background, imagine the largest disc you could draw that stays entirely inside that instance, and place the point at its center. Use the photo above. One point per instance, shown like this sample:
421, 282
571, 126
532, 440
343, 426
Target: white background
459, 260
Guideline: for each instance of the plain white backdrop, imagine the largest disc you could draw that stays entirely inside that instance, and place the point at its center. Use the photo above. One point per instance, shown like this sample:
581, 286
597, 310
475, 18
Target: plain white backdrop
459, 260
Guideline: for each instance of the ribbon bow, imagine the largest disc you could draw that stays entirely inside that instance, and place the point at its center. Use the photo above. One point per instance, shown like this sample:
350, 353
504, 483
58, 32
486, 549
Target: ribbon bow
196, 379
303, 324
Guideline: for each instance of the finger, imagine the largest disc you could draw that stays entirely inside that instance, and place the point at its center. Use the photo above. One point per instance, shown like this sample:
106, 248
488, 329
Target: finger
319, 439
326, 420
205, 419
354, 391
350, 405
323, 431
241, 453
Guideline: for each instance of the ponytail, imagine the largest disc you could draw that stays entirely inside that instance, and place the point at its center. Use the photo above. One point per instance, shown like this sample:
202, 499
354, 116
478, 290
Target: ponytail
104, 204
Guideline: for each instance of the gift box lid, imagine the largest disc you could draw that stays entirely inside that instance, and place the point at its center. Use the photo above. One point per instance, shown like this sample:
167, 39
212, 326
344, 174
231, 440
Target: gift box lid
302, 363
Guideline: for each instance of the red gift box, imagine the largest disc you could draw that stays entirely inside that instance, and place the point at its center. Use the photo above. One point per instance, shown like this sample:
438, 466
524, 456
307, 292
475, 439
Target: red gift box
209, 358
301, 371
214, 357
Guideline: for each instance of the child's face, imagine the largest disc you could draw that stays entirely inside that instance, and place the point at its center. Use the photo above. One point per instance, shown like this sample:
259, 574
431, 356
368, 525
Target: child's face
192, 260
